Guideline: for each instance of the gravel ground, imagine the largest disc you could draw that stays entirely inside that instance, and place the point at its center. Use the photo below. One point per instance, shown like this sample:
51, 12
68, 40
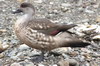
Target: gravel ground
84, 13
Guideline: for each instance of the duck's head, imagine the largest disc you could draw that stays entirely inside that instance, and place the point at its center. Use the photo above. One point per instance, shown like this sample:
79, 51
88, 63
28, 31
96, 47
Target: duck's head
26, 8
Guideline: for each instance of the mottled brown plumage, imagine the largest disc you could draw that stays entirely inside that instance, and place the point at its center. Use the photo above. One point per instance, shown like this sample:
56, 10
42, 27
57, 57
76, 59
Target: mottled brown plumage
42, 34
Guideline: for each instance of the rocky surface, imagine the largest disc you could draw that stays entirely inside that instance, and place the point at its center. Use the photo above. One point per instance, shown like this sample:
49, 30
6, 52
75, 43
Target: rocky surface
84, 13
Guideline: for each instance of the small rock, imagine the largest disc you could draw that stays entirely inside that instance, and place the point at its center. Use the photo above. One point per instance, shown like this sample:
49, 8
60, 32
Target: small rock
96, 6
85, 50
65, 4
89, 11
35, 52
23, 47
1, 55
65, 55
87, 64
72, 62
15, 58
2, 31
51, 3
20, 0
68, 62
3, 47
64, 9
27, 63
98, 29
98, 19
73, 53
87, 55
97, 37
85, 20
60, 50
12, 52
15, 64
2, 0
82, 58
96, 55
93, 63
38, 1
41, 65
63, 63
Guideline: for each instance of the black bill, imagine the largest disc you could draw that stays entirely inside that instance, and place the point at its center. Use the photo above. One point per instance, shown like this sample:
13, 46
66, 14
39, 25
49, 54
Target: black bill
17, 11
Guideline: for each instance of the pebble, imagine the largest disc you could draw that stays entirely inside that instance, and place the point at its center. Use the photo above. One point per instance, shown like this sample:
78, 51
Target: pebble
97, 37
65, 55
87, 55
27, 63
23, 47
2, 0
93, 63
60, 50
2, 31
63, 63
3, 47
89, 11
66, 4
34, 52
51, 3
73, 53
1, 55
64, 9
87, 64
12, 52
55, 65
82, 30
73, 62
85, 50
81, 58
96, 55
41, 65
20, 0
97, 19
38, 1
15, 64
97, 30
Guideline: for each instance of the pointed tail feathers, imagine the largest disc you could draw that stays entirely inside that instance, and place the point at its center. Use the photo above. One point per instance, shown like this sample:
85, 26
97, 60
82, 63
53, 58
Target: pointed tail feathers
76, 43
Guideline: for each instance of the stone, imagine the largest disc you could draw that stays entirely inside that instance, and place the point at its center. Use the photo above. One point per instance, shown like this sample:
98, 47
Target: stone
63, 63
97, 19
97, 37
2, 31
3, 47
23, 47
72, 62
15, 64
41, 65
73, 53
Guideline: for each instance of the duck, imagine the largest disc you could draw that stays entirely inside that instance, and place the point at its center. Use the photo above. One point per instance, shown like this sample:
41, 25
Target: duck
41, 33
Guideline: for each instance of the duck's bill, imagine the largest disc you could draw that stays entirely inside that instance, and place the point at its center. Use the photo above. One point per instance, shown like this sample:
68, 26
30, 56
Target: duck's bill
17, 11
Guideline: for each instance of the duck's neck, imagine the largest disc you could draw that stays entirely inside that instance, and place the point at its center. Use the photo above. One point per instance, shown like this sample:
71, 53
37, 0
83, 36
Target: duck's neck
23, 20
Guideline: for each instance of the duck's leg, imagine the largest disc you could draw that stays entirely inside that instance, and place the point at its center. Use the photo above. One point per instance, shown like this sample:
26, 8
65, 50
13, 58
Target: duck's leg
38, 58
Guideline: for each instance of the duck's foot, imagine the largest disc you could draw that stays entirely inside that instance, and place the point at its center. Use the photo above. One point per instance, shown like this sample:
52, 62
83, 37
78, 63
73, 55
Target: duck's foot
38, 58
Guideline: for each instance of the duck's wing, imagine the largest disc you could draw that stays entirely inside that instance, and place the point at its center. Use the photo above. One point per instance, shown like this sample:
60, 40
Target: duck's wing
47, 27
